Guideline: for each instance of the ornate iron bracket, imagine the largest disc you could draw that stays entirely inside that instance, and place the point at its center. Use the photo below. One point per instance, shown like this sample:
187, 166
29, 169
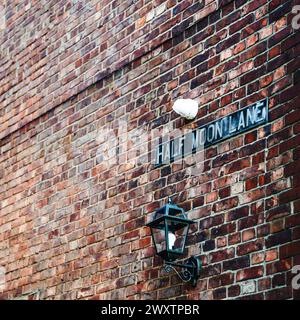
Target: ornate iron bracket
191, 270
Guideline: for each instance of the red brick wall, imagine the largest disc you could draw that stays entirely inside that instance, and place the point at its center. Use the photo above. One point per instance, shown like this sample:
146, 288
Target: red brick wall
52, 50
72, 225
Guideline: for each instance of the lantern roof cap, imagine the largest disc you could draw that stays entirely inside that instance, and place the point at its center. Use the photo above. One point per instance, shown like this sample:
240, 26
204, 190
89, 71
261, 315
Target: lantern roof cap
170, 211
157, 220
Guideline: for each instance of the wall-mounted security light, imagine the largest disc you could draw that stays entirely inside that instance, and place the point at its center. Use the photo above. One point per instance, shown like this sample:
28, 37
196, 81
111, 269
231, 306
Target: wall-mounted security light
187, 108
169, 230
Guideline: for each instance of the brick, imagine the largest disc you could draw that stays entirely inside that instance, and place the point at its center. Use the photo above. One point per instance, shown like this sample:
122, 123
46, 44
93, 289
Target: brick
211, 221
199, 59
289, 195
289, 250
237, 263
226, 204
252, 196
271, 255
278, 266
292, 221
264, 284
250, 273
200, 80
223, 230
221, 255
248, 287
248, 235
277, 226
248, 222
257, 258
241, 24
225, 158
278, 212
278, 238
238, 165
234, 238
219, 294
257, 296
278, 280
249, 247
238, 213
296, 233
279, 294
220, 280
209, 245
251, 183
228, 43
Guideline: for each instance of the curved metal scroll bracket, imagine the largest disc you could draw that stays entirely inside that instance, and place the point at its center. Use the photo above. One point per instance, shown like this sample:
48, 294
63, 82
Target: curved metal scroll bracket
191, 270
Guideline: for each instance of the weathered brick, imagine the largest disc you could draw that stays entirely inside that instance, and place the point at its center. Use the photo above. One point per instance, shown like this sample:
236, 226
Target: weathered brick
237, 263
221, 255
278, 266
238, 213
279, 294
279, 238
249, 247
250, 273
289, 250
220, 280
223, 230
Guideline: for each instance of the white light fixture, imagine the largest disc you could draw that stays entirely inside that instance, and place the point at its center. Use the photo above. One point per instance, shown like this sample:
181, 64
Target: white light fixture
172, 239
187, 108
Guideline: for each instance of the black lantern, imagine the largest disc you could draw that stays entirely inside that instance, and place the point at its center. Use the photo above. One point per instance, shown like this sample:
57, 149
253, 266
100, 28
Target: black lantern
169, 232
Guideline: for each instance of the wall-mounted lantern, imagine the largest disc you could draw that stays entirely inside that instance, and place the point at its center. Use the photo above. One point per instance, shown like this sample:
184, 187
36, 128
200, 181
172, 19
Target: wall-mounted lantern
169, 230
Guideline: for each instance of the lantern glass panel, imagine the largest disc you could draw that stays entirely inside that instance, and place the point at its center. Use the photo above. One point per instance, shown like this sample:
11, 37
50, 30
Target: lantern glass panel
159, 237
176, 233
